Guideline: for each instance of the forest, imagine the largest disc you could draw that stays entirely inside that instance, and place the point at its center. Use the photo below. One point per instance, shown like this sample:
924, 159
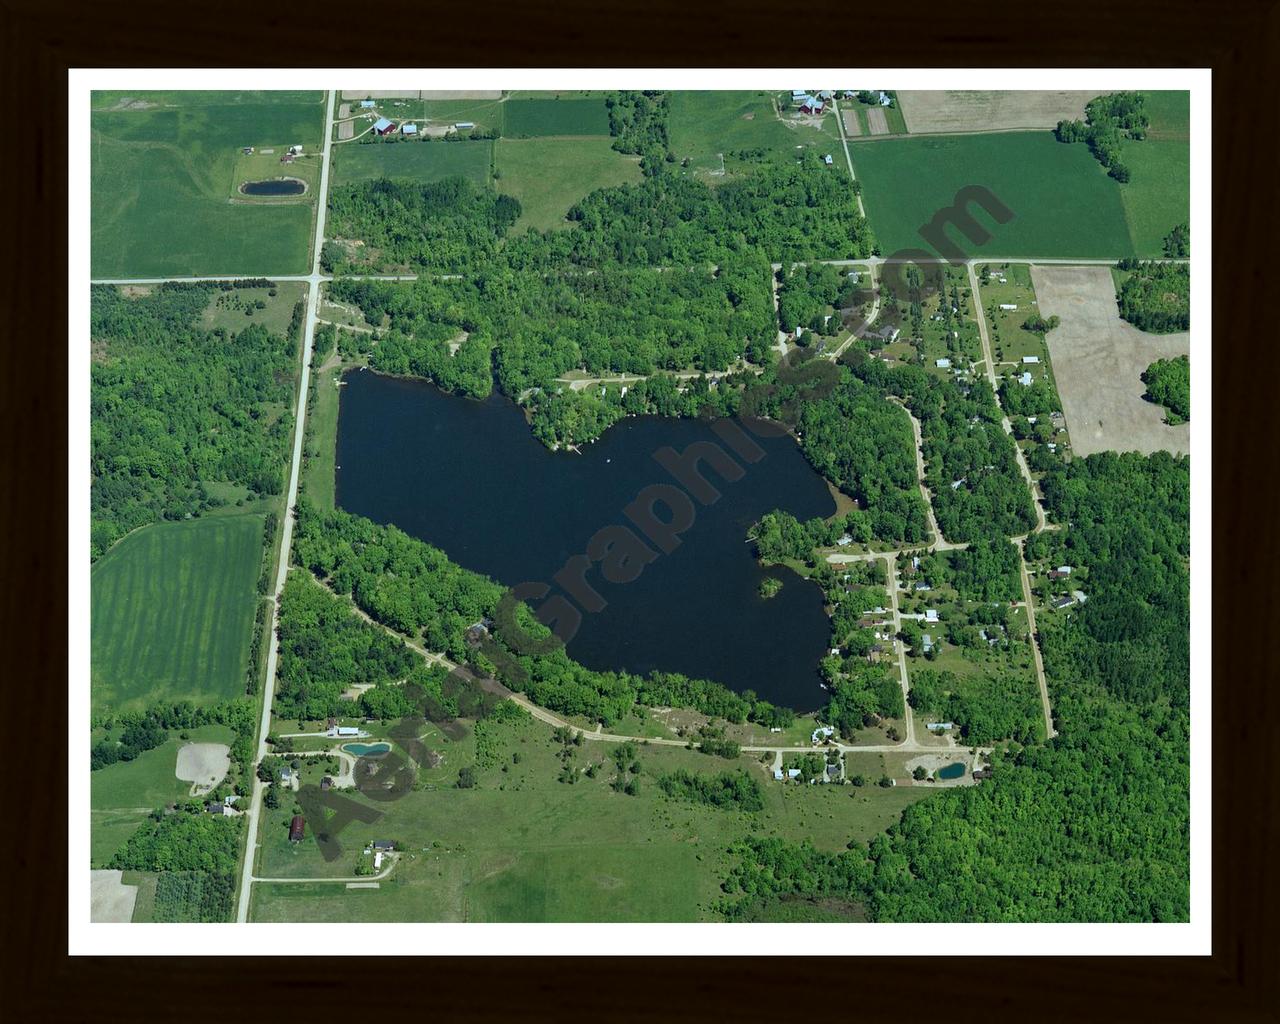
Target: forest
971, 466
1156, 296
1168, 383
1109, 120
413, 588
985, 708
176, 407
325, 649
1094, 824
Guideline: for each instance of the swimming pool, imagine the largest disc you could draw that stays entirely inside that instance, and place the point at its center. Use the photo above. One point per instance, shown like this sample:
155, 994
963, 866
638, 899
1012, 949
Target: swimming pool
366, 749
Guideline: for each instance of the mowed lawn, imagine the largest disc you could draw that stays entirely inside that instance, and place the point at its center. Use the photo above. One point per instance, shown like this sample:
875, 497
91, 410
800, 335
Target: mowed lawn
522, 846
705, 125
121, 795
1062, 200
561, 116
164, 186
417, 161
549, 175
1158, 195
172, 612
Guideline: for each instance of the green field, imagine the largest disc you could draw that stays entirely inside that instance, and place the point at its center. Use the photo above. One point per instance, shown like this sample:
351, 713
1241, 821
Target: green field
1062, 200
172, 612
705, 125
522, 846
227, 309
533, 117
1158, 196
121, 795
549, 175
163, 179
420, 161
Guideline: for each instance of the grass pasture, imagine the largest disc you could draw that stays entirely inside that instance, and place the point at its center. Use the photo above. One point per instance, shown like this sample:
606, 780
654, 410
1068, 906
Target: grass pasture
529, 118
121, 795
172, 611
417, 161
163, 178
522, 846
1063, 202
549, 175
705, 125
1158, 196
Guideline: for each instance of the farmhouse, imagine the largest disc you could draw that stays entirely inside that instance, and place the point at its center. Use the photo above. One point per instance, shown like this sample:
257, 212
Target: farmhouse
1025, 379
931, 615
383, 126
1064, 602
885, 99
823, 733
297, 828
943, 364
827, 160
887, 334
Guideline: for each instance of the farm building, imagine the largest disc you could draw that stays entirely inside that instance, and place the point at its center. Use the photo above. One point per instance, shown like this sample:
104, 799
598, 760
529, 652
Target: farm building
297, 828
1031, 360
943, 364
383, 126
408, 129
344, 730
1008, 305
885, 99
827, 160
823, 733
799, 94
463, 126
366, 104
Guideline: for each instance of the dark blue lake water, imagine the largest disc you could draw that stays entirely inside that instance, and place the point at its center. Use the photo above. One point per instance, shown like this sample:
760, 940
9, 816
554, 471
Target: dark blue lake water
469, 478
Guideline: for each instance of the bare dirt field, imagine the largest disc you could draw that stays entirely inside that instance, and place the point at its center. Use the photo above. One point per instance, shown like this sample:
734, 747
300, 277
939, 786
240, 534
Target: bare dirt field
877, 123
420, 94
346, 130
852, 126
933, 111
110, 902
1098, 361
204, 765
492, 94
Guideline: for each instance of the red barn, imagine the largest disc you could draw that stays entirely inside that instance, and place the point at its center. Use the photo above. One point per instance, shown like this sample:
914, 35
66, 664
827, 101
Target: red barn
297, 828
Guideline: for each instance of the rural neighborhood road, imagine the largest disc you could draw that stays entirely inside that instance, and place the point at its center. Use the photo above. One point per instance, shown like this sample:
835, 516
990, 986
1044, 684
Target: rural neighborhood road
286, 534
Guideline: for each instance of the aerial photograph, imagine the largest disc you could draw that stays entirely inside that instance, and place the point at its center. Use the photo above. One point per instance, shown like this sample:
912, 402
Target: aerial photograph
639, 506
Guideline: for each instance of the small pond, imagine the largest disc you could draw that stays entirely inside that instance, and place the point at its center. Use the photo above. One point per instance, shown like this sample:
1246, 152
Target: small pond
951, 771
366, 749
274, 187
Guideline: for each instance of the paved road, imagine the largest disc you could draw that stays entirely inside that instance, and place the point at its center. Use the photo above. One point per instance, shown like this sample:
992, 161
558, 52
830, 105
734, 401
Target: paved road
286, 535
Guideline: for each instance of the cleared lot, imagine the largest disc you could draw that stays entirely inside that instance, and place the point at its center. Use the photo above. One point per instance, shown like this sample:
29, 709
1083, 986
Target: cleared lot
877, 122
110, 901
204, 765
1098, 361
951, 110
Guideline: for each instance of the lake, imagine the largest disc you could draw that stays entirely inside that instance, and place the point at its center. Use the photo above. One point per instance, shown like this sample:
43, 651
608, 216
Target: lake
469, 478
274, 187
